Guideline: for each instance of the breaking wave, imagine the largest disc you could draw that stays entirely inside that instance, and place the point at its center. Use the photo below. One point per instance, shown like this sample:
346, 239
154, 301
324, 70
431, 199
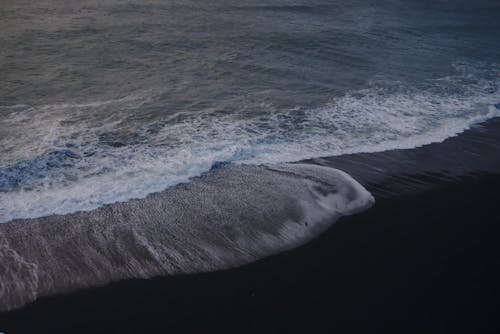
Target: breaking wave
82, 156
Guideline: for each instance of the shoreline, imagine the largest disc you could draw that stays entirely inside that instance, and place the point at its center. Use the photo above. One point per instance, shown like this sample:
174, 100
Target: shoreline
231, 217
452, 185
421, 262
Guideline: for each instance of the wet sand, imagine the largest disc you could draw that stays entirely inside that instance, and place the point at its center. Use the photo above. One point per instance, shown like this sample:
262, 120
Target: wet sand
424, 259
418, 263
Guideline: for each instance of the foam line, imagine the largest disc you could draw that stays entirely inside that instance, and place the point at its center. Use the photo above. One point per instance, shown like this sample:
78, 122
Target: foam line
229, 217
82, 156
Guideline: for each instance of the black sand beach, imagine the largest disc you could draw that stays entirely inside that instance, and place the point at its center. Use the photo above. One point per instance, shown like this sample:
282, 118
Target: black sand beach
249, 166
419, 261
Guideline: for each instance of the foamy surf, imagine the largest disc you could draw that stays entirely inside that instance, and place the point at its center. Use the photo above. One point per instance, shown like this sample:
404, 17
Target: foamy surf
231, 216
82, 156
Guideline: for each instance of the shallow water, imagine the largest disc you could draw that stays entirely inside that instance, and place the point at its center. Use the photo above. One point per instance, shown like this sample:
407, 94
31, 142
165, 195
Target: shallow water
233, 216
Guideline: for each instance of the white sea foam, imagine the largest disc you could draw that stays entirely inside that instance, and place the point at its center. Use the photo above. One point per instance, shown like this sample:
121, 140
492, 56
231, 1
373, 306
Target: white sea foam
27, 131
162, 153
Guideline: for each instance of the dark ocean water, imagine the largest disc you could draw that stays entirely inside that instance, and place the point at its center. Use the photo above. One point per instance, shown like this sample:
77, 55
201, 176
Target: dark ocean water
104, 101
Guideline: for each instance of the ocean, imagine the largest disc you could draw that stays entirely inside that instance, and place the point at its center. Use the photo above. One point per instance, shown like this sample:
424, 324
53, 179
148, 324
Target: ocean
103, 102
162, 137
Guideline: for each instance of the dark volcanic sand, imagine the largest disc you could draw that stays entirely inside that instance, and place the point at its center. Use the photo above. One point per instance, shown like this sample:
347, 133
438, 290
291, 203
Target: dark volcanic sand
425, 258
419, 263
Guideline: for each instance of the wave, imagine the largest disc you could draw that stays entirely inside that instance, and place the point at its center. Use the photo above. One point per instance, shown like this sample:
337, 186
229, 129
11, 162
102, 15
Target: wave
232, 216
115, 157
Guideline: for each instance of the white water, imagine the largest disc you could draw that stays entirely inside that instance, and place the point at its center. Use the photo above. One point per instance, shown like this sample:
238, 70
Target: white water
178, 147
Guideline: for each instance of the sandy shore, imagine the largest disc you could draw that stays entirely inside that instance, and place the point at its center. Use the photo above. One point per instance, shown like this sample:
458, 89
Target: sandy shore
418, 263
425, 258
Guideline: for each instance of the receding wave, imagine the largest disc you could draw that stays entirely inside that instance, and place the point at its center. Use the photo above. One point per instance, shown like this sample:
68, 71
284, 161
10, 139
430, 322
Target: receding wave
232, 216
82, 156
